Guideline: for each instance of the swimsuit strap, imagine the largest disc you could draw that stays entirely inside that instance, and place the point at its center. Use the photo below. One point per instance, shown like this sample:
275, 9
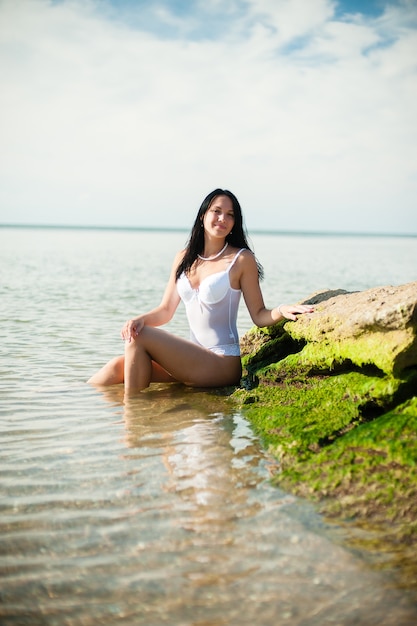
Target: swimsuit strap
234, 259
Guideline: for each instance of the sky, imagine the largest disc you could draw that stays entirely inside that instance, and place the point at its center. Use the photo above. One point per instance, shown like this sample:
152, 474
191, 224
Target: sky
128, 113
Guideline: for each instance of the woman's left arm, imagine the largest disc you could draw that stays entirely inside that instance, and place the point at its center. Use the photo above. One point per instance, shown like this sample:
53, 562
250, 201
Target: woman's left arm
249, 284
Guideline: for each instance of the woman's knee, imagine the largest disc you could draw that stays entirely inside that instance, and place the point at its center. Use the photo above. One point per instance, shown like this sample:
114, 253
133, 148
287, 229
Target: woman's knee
132, 346
137, 342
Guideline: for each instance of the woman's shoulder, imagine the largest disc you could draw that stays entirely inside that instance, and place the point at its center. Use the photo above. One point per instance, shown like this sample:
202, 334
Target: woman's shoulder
234, 250
243, 259
243, 255
243, 267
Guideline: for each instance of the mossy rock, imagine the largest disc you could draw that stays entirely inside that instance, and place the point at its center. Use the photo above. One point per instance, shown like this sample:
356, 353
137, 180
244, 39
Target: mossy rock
377, 327
298, 410
333, 397
369, 476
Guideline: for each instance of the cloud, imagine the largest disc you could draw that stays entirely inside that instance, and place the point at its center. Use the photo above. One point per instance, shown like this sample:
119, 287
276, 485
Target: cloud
118, 115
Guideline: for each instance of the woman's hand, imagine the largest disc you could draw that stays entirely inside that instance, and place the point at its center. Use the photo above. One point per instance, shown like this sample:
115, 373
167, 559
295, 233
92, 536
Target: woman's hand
290, 311
132, 329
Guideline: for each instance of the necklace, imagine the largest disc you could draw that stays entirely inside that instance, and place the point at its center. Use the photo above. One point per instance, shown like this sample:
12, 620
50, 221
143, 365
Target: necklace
211, 258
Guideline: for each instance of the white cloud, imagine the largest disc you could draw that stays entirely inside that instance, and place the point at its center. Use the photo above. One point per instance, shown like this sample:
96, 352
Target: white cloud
292, 19
308, 119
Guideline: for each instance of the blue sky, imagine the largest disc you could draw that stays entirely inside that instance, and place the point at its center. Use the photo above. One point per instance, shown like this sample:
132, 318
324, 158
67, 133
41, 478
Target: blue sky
127, 113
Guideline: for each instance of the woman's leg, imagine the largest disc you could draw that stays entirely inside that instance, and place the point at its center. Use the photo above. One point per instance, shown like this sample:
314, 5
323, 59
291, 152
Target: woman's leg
183, 360
113, 373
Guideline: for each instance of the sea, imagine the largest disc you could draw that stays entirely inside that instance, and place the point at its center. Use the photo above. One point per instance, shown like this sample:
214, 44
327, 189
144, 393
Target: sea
159, 510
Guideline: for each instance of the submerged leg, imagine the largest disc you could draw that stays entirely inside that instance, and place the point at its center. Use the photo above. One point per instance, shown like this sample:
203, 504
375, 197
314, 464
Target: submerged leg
111, 374
138, 366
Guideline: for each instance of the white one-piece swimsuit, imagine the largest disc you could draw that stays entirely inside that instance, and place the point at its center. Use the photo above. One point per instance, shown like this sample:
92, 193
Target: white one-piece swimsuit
212, 311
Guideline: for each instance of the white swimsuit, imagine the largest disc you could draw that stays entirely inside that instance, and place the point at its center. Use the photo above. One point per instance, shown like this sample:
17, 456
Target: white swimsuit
212, 311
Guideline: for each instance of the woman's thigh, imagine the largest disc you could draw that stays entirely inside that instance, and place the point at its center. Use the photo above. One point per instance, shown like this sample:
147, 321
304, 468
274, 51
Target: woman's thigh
185, 361
160, 375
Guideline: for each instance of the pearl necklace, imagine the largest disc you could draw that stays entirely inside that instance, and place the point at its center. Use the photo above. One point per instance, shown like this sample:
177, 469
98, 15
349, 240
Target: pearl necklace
211, 258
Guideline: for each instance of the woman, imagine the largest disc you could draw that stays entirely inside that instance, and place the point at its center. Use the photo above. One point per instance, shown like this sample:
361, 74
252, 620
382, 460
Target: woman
209, 276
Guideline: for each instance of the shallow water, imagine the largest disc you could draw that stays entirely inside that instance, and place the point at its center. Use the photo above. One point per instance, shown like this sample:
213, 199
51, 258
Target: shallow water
158, 511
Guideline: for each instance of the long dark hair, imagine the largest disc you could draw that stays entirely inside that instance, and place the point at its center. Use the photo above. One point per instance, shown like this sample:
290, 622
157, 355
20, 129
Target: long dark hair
237, 238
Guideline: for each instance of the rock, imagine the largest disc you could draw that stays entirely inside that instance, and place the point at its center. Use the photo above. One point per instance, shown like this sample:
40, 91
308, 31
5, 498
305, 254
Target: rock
333, 397
377, 326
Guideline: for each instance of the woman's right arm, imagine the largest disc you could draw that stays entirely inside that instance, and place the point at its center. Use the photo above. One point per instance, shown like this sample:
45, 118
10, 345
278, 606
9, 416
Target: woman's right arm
161, 314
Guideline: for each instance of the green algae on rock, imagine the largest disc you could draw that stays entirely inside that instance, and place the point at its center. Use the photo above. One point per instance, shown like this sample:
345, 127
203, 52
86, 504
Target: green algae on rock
299, 413
334, 397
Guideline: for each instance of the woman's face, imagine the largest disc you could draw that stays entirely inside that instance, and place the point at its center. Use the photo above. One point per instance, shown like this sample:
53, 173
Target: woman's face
219, 218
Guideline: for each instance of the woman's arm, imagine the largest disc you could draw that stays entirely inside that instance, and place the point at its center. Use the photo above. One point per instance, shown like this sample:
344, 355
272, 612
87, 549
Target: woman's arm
249, 284
161, 314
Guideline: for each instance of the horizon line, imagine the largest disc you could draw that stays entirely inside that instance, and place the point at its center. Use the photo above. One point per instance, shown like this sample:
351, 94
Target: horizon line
256, 231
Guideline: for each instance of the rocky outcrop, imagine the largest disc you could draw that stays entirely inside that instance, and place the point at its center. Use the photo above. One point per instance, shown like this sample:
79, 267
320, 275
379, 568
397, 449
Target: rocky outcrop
334, 398
378, 327
374, 327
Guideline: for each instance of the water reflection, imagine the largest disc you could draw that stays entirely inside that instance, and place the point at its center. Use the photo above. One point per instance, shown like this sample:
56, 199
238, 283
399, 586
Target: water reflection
219, 543
209, 456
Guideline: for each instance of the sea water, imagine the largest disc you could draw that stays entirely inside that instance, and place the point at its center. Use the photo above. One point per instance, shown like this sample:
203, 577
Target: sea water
159, 510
